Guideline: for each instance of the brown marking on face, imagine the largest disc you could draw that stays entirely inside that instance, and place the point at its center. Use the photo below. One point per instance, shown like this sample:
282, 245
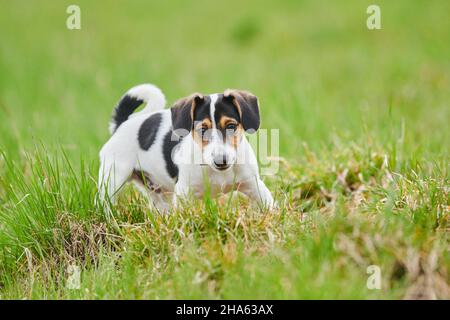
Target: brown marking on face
233, 138
197, 132
237, 137
224, 121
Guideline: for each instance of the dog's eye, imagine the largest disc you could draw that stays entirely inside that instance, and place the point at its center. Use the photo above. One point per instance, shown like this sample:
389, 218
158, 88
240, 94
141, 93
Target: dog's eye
231, 127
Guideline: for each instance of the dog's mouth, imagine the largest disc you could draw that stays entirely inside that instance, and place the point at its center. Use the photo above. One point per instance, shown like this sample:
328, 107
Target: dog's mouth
218, 166
221, 166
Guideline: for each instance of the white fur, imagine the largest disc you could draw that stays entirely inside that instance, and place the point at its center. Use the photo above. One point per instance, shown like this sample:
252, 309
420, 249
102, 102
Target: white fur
122, 154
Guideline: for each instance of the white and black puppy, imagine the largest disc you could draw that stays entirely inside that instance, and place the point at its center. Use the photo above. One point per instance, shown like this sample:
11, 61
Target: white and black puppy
197, 145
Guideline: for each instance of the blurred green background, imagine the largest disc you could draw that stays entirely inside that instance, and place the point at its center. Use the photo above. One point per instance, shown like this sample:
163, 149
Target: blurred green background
320, 74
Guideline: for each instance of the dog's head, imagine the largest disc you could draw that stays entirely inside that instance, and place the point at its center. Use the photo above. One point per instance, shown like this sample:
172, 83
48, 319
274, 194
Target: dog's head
217, 123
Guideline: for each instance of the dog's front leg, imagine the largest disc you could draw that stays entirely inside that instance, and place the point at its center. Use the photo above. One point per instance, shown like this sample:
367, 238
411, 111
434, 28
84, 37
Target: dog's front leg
256, 190
180, 191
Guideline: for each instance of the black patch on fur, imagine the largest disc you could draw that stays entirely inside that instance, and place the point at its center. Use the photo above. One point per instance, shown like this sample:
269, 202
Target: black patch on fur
148, 130
202, 111
249, 110
124, 108
181, 116
181, 113
225, 107
170, 142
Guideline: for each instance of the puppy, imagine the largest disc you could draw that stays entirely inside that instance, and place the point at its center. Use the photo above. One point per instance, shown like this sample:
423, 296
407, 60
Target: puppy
195, 146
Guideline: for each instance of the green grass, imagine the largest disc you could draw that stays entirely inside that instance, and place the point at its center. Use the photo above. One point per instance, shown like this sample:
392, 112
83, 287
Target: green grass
363, 138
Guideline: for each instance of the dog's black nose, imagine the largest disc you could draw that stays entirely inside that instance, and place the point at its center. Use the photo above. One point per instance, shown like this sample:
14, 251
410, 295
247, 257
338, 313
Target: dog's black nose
220, 161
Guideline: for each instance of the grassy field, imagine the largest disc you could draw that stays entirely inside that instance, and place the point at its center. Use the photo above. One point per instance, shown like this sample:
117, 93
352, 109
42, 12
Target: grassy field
364, 140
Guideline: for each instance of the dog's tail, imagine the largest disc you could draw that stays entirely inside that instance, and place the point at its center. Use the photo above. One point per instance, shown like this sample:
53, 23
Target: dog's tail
147, 93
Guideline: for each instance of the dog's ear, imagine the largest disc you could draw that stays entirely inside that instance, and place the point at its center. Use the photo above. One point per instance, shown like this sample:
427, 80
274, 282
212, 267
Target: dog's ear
183, 112
247, 106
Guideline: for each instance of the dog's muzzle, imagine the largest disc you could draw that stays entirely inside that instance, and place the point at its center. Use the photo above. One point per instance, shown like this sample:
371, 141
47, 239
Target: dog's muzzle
221, 162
